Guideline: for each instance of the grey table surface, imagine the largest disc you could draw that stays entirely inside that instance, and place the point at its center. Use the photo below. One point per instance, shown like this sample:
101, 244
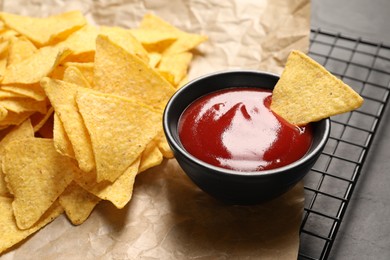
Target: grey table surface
365, 230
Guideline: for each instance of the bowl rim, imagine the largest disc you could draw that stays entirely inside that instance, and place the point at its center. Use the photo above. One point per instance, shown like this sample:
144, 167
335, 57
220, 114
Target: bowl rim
178, 147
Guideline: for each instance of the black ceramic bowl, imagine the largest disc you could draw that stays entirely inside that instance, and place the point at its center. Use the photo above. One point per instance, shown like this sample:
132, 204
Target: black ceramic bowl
231, 186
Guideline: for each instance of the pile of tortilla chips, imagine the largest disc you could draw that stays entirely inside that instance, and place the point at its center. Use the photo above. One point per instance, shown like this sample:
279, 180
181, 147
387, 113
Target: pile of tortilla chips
80, 113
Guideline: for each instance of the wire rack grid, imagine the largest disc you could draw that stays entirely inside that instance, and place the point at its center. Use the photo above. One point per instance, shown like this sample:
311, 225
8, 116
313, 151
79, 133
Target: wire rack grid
365, 66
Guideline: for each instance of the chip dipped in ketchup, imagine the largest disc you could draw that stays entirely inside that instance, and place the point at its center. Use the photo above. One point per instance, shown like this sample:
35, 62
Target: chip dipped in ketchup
235, 129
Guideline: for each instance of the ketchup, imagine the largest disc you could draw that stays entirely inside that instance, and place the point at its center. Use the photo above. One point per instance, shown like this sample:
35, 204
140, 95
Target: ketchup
235, 129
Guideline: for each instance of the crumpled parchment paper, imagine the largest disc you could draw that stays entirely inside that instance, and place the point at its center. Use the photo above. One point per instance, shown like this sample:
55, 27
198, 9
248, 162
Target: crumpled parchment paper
168, 216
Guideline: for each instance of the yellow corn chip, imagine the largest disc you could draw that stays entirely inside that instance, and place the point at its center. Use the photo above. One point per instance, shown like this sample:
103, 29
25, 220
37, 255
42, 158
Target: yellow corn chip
73, 75
185, 41
125, 40
118, 193
62, 97
154, 59
37, 186
61, 140
163, 145
167, 75
8, 34
177, 64
20, 49
151, 36
13, 118
151, 157
87, 69
182, 82
306, 92
115, 122
122, 73
33, 91
44, 31
38, 119
19, 105
82, 43
32, 69
11, 234
4, 94
23, 130
3, 57
3, 113
77, 203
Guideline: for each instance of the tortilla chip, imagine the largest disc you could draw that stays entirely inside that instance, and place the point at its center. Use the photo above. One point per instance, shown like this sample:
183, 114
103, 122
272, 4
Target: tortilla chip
151, 157
77, 203
61, 140
11, 234
177, 64
122, 73
115, 122
13, 118
62, 97
125, 40
73, 75
23, 130
306, 92
19, 105
38, 119
32, 69
87, 69
3, 113
163, 145
36, 179
81, 43
154, 59
20, 49
33, 91
151, 36
119, 193
185, 41
48, 30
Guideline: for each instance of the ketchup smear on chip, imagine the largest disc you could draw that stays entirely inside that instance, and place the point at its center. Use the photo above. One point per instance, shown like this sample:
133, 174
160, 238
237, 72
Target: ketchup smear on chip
235, 129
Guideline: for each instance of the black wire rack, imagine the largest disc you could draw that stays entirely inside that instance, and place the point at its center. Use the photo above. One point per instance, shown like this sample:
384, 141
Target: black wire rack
365, 66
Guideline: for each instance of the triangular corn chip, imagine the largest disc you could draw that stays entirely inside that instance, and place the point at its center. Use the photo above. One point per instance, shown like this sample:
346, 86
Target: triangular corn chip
306, 92
122, 73
33, 91
116, 123
151, 157
38, 120
62, 97
61, 140
11, 234
36, 179
73, 75
19, 105
24, 130
118, 193
43, 31
163, 145
125, 40
77, 203
37, 66
82, 43
185, 41
20, 48
177, 64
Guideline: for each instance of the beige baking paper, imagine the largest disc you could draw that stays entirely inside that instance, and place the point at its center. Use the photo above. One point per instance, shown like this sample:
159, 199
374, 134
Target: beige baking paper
168, 216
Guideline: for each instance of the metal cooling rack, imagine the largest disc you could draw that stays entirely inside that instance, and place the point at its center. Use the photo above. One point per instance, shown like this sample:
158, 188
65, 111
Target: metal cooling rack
365, 66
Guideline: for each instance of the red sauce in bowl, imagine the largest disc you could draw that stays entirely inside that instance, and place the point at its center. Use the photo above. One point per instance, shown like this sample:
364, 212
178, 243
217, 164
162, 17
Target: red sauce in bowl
235, 129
